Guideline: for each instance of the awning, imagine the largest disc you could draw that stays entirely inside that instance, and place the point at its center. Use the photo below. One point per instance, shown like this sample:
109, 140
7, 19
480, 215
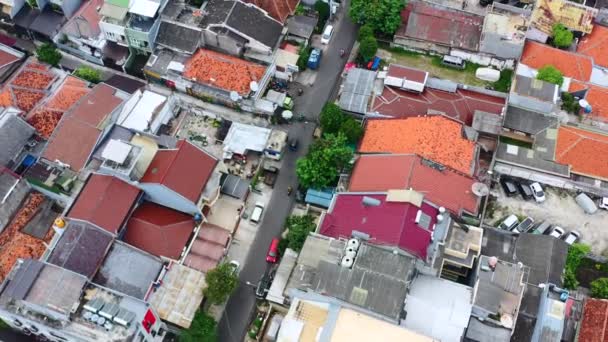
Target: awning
114, 12
319, 198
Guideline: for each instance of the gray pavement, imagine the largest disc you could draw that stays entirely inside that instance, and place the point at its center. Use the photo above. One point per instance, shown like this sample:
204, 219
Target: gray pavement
240, 307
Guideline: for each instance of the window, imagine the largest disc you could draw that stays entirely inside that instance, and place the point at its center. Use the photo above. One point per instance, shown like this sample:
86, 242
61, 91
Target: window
58, 337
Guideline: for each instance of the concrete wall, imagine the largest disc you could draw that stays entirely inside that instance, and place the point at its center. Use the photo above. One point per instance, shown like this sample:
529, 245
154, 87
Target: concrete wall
483, 59
416, 45
80, 53
164, 196
9, 318
221, 42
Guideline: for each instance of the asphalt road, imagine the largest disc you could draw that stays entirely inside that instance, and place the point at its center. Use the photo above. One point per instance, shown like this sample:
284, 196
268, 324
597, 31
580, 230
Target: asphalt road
240, 307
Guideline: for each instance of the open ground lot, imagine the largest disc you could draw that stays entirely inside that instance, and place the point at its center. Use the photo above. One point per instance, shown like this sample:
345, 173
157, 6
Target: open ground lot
559, 209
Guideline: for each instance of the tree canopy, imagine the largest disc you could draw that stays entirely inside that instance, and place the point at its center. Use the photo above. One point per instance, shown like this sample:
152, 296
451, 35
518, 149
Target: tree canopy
550, 74
202, 329
365, 31
326, 157
333, 120
298, 229
576, 253
383, 16
47, 53
368, 48
322, 9
562, 37
89, 74
221, 282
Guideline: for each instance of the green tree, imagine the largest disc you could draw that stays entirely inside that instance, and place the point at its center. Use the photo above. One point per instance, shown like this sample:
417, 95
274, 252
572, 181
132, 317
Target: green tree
364, 32
550, 74
576, 253
300, 9
298, 229
47, 53
304, 52
368, 48
384, 16
322, 9
352, 129
562, 37
331, 118
599, 288
221, 282
327, 156
202, 329
89, 74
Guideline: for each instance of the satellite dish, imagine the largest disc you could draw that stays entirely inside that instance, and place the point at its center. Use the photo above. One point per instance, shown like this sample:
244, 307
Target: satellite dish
480, 189
234, 96
254, 86
287, 114
506, 320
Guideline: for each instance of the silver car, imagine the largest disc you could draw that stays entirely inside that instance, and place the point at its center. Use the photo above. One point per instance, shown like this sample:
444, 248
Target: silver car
537, 192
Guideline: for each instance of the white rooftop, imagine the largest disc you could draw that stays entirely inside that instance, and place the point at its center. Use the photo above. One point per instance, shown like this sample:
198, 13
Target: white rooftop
242, 138
141, 110
116, 151
145, 8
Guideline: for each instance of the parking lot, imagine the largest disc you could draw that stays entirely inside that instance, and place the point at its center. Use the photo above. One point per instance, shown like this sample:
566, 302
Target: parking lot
558, 209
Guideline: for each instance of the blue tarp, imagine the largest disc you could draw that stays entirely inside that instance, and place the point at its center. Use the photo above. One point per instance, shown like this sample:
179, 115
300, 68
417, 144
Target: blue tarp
319, 198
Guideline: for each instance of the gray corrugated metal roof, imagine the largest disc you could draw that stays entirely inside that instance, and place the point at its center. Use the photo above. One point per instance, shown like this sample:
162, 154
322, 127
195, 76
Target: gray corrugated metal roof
439, 84
357, 90
14, 134
485, 122
527, 121
301, 25
535, 88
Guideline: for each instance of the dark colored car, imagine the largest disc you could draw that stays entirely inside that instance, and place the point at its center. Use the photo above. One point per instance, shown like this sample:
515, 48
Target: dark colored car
273, 251
508, 185
525, 191
293, 144
526, 225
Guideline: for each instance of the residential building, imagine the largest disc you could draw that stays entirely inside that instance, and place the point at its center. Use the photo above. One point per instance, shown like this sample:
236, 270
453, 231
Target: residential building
399, 219
313, 316
551, 315
15, 135
435, 138
132, 23
438, 29
498, 293
146, 111
504, 31
572, 65
526, 125
279, 10
357, 89
207, 248
375, 274
404, 78
442, 186
300, 28
177, 177
594, 45
13, 191
534, 94
574, 16
438, 308
43, 19
459, 253
10, 8
594, 321
105, 201
437, 97
59, 304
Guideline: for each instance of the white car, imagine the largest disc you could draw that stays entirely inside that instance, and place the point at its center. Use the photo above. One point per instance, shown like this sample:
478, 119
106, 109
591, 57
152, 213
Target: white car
572, 237
557, 232
256, 215
509, 223
327, 33
604, 203
537, 192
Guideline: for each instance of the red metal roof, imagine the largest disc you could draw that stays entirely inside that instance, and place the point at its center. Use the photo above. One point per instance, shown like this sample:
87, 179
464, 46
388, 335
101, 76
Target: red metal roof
185, 169
390, 223
105, 201
278, 9
446, 188
410, 74
159, 230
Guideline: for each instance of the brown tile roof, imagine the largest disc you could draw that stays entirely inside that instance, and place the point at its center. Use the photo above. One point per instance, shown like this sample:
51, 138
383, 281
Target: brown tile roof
185, 169
447, 188
7, 58
82, 124
159, 230
586, 152
278, 9
537, 55
594, 321
595, 45
16, 245
27, 87
436, 138
223, 71
105, 201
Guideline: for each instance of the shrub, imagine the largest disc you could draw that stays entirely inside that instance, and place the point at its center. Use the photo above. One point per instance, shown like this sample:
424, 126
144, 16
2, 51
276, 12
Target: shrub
550, 74
47, 53
368, 48
562, 37
599, 288
202, 329
576, 253
364, 32
89, 74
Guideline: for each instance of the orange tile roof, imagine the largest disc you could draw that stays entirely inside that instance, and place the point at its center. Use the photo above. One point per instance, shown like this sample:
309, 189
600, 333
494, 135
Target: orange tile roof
586, 152
223, 71
14, 244
436, 138
594, 322
537, 55
28, 87
595, 45
278, 9
598, 99
577, 86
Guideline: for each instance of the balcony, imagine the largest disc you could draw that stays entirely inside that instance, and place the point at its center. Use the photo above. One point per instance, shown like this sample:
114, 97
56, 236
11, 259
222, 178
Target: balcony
140, 23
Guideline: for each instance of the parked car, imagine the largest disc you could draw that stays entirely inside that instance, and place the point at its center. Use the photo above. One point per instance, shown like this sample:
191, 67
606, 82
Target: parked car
314, 59
537, 192
273, 251
256, 215
525, 191
525, 225
293, 144
586, 203
557, 232
263, 285
572, 237
604, 203
509, 223
542, 228
327, 33
508, 186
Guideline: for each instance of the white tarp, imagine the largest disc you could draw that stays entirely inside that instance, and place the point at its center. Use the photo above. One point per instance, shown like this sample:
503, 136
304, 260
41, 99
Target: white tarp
242, 138
487, 74
142, 112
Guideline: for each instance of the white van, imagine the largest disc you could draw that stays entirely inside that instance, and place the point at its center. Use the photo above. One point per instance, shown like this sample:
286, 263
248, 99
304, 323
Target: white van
256, 215
329, 29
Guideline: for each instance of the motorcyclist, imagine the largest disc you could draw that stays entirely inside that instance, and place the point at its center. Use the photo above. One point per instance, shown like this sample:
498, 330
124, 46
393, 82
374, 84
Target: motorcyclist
289, 190
341, 52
